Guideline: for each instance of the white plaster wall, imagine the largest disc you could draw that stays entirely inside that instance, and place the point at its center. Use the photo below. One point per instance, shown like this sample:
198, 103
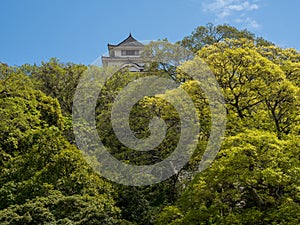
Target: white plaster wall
118, 53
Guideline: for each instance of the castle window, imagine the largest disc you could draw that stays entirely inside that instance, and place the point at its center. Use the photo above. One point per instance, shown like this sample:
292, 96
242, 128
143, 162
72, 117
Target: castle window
130, 52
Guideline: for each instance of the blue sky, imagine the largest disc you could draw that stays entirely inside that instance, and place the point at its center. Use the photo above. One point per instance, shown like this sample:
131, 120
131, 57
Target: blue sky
78, 31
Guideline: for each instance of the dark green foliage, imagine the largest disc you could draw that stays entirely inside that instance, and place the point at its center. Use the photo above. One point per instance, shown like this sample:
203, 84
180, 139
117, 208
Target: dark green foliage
59, 209
43, 178
57, 80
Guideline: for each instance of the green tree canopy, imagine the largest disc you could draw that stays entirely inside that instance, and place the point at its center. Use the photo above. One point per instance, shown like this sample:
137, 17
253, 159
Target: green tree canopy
43, 178
210, 34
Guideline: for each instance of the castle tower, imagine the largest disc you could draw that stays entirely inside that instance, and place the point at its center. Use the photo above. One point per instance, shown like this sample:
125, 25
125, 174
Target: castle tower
125, 54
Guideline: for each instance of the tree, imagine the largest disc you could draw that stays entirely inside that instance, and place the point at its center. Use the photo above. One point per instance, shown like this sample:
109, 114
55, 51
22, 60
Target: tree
288, 60
59, 209
210, 34
253, 181
43, 178
283, 104
254, 84
241, 71
57, 80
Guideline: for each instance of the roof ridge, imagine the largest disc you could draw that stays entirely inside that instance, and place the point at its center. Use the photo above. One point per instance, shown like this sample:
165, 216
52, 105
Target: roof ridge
129, 39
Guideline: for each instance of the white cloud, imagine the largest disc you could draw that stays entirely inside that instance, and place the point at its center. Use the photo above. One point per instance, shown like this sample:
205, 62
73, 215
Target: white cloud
225, 8
243, 6
252, 23
247, 22
232, 9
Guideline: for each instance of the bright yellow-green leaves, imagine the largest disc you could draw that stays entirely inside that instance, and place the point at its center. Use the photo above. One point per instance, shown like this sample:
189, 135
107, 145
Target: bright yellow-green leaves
255, 172
255, 178
254, 84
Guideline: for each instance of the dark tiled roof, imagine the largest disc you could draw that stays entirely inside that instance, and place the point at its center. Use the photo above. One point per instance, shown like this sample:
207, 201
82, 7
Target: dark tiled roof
130, 41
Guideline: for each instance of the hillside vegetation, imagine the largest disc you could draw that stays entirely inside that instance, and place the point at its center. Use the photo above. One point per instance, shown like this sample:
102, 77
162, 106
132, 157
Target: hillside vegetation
44, 178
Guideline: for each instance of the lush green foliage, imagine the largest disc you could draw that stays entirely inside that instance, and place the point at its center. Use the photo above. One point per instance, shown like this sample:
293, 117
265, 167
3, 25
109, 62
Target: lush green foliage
44, 178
